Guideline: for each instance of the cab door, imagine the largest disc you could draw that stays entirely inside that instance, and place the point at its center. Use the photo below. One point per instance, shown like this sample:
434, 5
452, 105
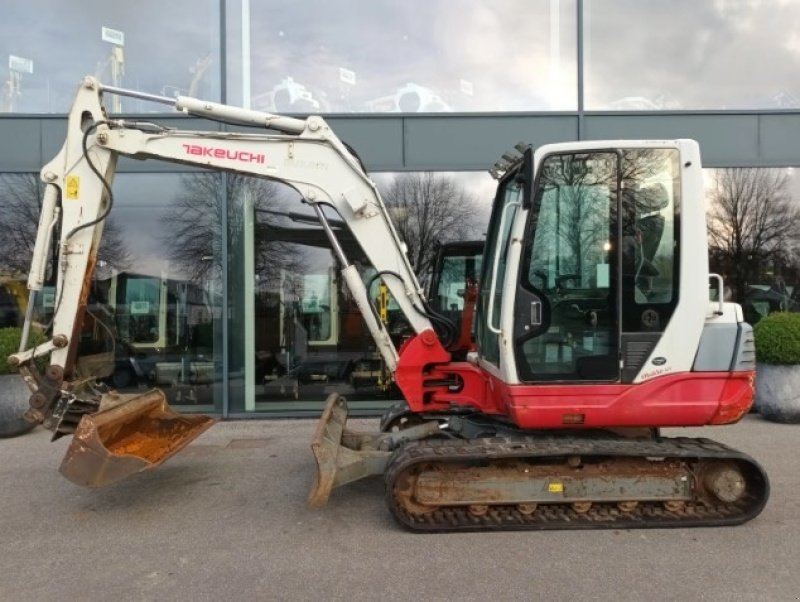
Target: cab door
566, 310
488, 319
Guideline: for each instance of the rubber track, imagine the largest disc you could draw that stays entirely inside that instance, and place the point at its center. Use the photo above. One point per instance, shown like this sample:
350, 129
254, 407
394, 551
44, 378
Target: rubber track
602, 515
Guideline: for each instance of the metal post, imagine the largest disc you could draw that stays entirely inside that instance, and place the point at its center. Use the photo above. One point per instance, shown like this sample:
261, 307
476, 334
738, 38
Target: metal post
580, 71
225, 318
246, 92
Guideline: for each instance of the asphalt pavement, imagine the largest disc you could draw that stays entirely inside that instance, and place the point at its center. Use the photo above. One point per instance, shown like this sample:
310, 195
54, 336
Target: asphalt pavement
226, 521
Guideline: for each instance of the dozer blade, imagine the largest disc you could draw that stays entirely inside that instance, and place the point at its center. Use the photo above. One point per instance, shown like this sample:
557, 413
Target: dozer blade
138, 434
342, 455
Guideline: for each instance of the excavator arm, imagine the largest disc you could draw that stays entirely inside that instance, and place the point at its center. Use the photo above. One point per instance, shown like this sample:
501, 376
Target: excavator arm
304, 154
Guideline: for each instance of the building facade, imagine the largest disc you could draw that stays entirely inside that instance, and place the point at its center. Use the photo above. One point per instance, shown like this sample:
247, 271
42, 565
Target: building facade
221, 289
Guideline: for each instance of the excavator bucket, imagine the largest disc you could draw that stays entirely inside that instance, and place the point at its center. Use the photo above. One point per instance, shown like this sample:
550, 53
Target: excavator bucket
135, 435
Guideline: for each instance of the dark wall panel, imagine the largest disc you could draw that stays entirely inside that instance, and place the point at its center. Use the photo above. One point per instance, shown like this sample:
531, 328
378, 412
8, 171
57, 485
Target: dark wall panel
471, 142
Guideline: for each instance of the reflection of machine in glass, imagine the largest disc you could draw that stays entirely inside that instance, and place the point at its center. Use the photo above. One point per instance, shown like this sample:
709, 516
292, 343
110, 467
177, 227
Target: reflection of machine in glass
318, 306
13, 301
453, 290
410, 98
166, 326
140, 308
114, 63
287, 96
570, 353
198, 72
309, 313
310, 337
17, 66
323, 342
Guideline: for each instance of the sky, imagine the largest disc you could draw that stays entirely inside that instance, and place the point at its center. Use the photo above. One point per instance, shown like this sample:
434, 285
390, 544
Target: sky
459, 55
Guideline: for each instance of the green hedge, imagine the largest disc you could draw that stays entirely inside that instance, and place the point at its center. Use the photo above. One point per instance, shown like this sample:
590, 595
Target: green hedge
9, 343
777, 338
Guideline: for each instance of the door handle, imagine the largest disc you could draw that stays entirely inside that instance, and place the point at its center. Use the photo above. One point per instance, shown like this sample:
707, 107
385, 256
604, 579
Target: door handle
536, 313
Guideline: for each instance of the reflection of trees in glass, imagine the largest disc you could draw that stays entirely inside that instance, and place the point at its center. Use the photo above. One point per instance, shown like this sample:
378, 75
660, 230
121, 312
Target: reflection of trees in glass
194, 240
429, 208
20, 196
577, 189
752, 221
20, 204
576, 212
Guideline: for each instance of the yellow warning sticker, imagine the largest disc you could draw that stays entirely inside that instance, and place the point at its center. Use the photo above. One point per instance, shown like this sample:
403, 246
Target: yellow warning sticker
555, 487
73, 186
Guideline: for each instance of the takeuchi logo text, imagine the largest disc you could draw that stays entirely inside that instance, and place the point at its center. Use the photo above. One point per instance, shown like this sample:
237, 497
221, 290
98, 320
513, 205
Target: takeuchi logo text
199, 150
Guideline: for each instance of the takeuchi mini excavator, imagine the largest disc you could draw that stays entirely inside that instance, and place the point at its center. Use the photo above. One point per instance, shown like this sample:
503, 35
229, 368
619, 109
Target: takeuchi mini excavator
593, 329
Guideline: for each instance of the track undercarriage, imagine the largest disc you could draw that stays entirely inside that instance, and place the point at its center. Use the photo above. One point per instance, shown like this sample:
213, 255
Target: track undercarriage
468, 474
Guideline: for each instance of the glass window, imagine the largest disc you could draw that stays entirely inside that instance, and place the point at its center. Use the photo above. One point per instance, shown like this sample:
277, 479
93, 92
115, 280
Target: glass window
385, 56
156, 296
296, 332
725, 54
165, 48
570, 267
159, 278
456, 270
753, 218
454, 291
650, 198
20, 200
137, 301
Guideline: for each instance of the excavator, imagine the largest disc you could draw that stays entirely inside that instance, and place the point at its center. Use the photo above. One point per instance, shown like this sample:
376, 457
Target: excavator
594, 328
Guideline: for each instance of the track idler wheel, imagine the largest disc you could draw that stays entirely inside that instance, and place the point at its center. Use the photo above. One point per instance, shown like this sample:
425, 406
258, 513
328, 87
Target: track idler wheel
724, 481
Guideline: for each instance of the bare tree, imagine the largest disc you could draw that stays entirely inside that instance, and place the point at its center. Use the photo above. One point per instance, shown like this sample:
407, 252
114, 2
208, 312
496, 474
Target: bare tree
20, 205
580, 215
428, 209
576, 214
195, 239
752, 220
